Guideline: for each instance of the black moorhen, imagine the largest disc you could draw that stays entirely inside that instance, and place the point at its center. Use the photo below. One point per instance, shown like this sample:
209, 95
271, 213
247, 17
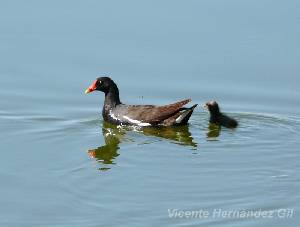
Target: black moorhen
218, 118
142, 115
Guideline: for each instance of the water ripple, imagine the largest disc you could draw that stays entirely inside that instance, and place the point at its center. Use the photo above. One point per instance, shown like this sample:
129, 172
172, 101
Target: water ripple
259, 126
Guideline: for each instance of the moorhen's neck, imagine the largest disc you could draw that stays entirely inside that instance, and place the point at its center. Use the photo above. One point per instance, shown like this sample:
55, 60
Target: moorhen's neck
112, 96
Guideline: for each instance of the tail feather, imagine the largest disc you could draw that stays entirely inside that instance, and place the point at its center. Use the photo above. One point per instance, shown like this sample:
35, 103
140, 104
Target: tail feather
185, 116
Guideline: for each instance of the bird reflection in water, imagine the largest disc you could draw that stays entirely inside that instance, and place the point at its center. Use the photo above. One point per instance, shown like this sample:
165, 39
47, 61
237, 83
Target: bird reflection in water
213, 131
109, 151
114, 136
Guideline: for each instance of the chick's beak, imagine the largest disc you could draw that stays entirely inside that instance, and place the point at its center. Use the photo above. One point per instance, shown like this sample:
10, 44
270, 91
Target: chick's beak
205, 106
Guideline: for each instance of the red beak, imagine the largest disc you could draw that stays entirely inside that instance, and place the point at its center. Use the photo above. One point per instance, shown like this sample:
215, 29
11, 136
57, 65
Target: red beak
91, 88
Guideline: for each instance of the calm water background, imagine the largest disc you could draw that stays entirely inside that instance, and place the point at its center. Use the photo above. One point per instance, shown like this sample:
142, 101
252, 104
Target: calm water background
61, 166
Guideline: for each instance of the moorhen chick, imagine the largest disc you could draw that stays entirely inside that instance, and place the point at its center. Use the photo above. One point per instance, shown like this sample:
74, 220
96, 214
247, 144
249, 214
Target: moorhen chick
217, 117
141, 115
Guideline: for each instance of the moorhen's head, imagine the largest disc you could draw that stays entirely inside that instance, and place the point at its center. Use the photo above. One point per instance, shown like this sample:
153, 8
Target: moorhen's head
212, 107
104, 84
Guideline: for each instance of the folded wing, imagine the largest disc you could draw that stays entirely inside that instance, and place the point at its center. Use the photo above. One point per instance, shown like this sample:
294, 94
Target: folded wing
149, 113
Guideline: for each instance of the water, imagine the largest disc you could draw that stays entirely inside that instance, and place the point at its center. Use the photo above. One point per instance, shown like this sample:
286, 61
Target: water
61, 165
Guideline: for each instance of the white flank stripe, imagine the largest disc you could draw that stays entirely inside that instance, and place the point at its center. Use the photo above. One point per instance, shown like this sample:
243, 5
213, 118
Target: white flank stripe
139, 123
113, 116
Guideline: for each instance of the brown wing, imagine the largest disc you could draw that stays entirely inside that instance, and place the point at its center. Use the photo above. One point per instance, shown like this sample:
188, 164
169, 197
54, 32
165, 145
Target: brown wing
153, 114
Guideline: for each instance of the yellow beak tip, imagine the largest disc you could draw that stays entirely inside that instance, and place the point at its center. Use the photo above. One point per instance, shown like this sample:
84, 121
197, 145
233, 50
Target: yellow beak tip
86, 91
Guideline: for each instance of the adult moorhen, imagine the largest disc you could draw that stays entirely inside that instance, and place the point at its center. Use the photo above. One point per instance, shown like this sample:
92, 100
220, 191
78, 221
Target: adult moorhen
141, 115
218, 118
